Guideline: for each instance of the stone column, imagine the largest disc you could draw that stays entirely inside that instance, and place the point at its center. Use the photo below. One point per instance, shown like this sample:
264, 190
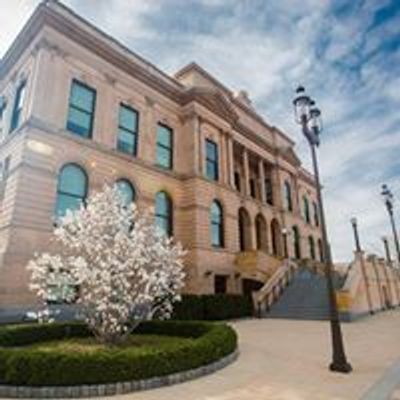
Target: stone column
231, 172
246, 172
197, 144
201, 144
261, 173
223, 158
276, 187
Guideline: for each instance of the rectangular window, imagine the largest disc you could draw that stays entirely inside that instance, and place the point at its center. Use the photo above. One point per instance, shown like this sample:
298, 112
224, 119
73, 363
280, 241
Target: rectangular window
211, 160
252, 188
164, 146
18, 106
220, 284
237, 181
82, 102
127, 130
268, 192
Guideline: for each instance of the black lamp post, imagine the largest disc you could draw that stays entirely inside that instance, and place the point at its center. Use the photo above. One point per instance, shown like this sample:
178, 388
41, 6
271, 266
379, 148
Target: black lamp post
356, 236
309, 117
389, 200
387, 250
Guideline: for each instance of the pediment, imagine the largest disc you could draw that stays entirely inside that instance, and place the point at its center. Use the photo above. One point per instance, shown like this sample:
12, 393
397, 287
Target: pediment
289, 154
214, 100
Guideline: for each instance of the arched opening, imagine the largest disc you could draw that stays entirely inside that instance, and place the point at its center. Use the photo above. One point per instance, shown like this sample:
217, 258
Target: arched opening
261, 233
244, 230
126, 191
311, 245
276, 237
296, 242
287, 195
72, 189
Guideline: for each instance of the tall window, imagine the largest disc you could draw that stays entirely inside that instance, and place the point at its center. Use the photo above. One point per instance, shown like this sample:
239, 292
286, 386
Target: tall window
164, 213
164, 146
237, 181
211, 160
252, 188
126, 191
82, 102
71, 189
217, 225
268, 191
311, 245
306, 207
316, 214
296, 242
18, 106
127, 130
288, 196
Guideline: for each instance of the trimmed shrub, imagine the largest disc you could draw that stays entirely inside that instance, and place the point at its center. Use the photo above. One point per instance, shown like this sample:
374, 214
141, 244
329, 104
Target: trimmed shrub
37, 367
212, 307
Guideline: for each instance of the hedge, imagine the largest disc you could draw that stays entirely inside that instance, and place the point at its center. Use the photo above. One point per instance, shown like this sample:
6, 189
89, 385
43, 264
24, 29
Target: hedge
212, 307
37, 367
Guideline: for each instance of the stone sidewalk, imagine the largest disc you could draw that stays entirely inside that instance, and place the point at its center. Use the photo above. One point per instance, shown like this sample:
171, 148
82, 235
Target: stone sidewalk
287, 360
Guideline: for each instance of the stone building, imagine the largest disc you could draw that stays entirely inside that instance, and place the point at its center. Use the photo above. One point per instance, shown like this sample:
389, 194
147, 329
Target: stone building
78, 109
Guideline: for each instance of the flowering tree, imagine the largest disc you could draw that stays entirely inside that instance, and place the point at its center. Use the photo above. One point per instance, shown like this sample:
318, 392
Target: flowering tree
114, 263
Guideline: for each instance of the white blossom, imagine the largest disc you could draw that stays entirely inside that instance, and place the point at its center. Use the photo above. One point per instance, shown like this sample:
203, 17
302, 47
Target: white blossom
114, 263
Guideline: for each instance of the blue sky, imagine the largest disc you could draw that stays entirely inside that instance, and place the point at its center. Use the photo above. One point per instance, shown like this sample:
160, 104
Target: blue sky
346, 52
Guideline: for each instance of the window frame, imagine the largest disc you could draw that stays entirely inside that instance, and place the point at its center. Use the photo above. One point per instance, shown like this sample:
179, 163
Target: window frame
306, 210
288, 196
89, 135
131, 186
162, 146
218, 224
15, 122
169, 217
134, 133
214, 163
59, 192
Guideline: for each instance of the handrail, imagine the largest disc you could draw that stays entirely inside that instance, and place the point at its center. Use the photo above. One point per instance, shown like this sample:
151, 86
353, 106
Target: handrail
267, 292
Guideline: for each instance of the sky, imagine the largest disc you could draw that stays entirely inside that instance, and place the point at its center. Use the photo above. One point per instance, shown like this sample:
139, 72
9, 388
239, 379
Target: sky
345, 52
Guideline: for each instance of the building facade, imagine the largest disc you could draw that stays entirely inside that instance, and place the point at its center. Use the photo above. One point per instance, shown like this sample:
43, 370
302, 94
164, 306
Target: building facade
79, 110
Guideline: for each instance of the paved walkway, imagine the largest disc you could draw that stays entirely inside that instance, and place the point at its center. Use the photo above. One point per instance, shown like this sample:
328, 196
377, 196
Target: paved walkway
287, 360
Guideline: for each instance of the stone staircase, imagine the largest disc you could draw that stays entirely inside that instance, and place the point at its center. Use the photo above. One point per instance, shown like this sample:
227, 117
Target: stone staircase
304, 298
295, 292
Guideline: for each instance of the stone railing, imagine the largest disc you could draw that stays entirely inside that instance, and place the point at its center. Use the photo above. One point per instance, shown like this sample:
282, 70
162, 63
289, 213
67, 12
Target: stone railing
273, 288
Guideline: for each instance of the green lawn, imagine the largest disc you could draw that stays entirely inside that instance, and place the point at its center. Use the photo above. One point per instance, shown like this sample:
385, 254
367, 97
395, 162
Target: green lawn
140, 343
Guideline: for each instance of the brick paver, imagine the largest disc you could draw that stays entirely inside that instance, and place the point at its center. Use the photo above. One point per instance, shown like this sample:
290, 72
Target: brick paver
287, 360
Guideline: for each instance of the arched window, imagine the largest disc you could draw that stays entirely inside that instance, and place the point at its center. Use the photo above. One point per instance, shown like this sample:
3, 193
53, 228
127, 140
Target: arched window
261, 233
276, 237
311, 245
217, 224
164, 213
288, 196
306, 209
126, 191
296, 242
71, 189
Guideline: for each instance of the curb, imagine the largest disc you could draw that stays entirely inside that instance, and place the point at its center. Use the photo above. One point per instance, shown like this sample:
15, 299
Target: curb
108, 389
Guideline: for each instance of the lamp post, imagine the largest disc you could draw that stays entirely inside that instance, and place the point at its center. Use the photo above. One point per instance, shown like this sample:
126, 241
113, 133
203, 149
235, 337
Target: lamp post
308, 116
387, 250
356, 236
388, 199
285, 244
354, 224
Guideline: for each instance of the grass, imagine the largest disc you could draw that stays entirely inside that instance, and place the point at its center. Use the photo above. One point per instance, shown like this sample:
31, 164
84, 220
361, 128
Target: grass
139, 343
